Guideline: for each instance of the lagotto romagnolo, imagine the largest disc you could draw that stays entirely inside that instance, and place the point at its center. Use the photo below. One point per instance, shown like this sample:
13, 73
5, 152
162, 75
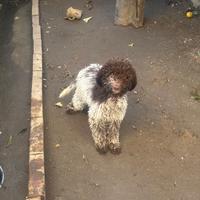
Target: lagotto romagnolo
103, 89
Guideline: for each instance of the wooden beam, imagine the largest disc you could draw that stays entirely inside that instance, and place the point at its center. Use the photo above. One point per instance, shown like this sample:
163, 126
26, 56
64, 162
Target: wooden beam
129, 12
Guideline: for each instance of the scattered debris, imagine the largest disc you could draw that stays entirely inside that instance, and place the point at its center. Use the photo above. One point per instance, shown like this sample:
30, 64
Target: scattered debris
195, 54
1, 132
138, 100
86, 20
16, 18
195, 95
135, 92
131, 45
134, 127
174, 183
196, 12
73, 14
85, 159
186, 40
57, 145
59, 67
89, 4
2, 177
196, 3
47, 32
9, 141
59, 104
22, 131
182, 158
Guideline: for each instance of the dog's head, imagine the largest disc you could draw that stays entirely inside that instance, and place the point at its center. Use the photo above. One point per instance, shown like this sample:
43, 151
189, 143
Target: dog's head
117, 77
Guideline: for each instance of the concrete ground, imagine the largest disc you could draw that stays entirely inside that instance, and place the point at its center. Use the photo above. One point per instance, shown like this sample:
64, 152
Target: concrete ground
160, 156
15, 87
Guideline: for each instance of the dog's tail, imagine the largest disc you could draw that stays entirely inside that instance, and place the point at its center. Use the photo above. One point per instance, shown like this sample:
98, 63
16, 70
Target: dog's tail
68, 89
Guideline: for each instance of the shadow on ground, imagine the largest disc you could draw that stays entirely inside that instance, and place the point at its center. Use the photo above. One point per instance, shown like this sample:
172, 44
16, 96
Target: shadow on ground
15, 84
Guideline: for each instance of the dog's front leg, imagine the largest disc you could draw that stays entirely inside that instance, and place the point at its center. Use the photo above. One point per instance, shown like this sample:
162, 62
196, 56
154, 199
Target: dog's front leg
98, 134
113, 138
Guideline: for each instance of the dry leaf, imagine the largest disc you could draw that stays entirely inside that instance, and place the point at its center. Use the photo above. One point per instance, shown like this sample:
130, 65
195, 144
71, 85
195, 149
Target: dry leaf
86, 20
9, 141
73, 14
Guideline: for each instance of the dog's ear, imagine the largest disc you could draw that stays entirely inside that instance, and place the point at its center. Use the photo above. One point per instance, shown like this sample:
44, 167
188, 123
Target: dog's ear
132, 83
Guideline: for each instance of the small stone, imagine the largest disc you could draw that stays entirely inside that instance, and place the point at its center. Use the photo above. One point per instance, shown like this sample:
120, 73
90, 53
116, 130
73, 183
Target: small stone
59, 104
134, 127
16, 18
138, 100
182, 158
57, 145
131, 45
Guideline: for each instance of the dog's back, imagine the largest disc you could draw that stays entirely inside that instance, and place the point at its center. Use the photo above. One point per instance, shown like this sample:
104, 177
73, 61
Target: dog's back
86, 80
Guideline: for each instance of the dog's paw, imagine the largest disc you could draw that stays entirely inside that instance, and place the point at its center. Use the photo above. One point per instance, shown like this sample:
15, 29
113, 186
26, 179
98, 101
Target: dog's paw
115, 148
101, 149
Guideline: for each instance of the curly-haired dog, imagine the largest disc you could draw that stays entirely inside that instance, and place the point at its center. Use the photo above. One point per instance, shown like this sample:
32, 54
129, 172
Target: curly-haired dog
103, 90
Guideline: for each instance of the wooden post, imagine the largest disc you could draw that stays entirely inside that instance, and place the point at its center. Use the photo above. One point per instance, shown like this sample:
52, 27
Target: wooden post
129, 12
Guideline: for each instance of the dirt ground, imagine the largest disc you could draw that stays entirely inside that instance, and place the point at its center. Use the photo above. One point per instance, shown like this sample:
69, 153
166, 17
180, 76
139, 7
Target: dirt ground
160, 156
15, 88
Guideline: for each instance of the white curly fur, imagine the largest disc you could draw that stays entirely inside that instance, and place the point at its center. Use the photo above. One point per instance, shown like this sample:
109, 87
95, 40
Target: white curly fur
105, 117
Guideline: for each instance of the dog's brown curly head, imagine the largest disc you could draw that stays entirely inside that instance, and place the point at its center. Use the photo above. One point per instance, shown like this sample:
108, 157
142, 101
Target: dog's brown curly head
115, 78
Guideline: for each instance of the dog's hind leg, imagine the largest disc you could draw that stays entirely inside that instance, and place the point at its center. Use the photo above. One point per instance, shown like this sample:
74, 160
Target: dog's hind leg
77, 104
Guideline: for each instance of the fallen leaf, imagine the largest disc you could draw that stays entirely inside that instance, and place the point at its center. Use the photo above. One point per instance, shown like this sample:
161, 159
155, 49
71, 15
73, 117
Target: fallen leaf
86, 20
59, 104
9, 141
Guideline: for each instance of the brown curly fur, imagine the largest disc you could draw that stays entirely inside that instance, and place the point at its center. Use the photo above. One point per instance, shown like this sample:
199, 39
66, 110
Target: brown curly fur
119, 68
